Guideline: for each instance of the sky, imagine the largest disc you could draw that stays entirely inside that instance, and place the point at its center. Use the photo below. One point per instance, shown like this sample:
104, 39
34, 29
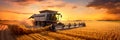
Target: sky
70, 9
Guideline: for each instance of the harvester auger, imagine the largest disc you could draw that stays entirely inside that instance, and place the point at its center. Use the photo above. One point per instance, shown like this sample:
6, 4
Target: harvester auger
49, 17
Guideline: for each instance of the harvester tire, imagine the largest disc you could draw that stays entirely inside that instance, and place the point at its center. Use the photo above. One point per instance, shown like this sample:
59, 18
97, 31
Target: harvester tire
83, 24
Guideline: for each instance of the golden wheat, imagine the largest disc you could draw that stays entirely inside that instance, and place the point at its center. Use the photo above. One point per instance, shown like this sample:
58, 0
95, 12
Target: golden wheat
96, 30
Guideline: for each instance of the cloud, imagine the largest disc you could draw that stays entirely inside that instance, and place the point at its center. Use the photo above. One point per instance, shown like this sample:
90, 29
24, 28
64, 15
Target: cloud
74, 7
112, 6
22, 0
33, 6
9, 15
46, 3
28, 7
13, 12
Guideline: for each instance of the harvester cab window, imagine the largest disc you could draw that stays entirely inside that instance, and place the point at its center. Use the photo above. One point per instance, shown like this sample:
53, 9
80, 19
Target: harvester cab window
51, 17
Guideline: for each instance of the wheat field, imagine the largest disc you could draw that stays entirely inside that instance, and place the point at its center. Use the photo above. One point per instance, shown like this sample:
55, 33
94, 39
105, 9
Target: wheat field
94, 30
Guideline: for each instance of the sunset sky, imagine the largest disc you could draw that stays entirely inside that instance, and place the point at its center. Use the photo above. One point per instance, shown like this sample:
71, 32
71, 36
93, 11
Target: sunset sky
70, 9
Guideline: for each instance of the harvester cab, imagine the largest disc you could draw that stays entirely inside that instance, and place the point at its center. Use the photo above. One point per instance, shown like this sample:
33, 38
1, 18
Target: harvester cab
46, 17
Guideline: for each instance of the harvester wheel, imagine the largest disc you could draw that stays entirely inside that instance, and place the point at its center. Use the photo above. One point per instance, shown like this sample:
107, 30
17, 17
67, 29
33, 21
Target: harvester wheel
83, 24
52, 28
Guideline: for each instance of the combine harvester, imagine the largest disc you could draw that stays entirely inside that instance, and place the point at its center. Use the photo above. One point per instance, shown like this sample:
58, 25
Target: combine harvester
49, 17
